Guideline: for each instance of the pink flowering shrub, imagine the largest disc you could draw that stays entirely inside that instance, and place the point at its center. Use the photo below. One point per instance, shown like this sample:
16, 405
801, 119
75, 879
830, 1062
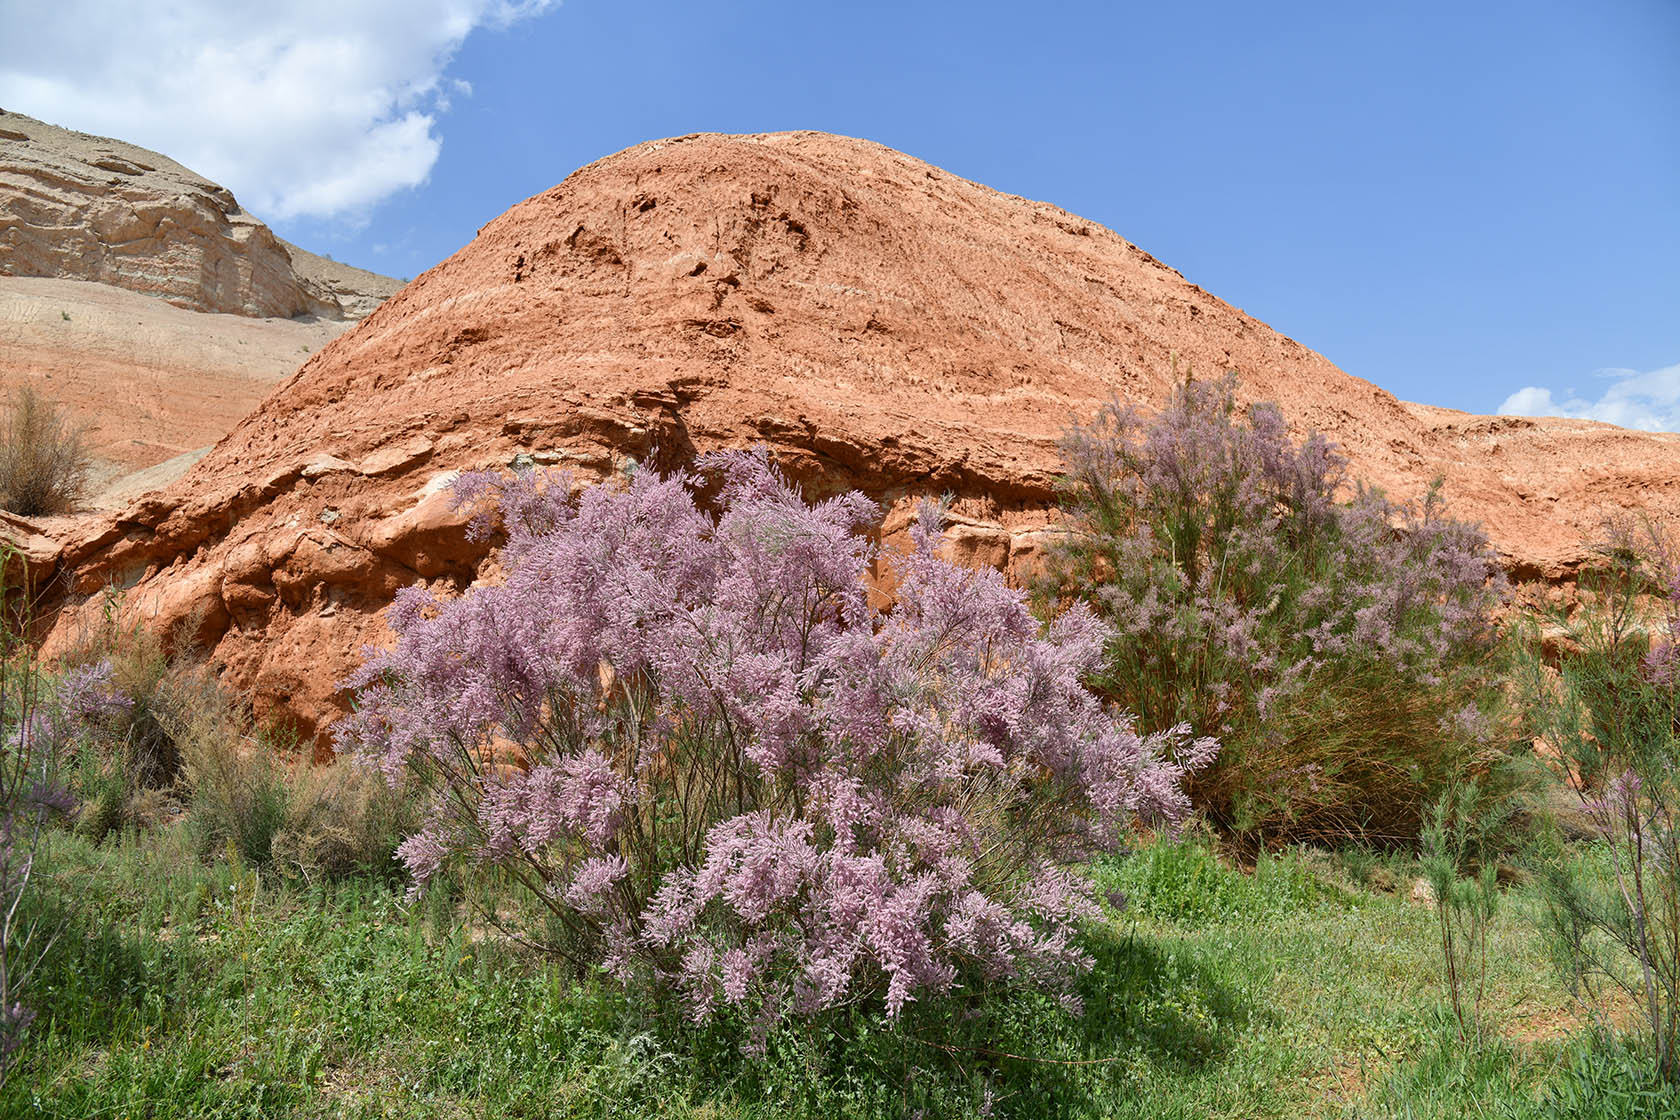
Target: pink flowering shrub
1662, 663
1337, 649
723, 772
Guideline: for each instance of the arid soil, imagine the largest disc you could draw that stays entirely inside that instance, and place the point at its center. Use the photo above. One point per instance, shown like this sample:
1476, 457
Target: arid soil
148, 380
875, 321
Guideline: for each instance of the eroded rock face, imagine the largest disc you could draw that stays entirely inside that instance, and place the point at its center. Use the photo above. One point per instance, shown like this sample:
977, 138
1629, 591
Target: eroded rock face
81, 207
876, 322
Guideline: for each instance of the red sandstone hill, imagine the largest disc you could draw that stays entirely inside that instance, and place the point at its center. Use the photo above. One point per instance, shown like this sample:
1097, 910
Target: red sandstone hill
877, 322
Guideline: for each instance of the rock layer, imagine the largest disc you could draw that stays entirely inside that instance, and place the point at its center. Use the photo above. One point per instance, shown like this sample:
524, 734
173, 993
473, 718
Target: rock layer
877, 322
81, 207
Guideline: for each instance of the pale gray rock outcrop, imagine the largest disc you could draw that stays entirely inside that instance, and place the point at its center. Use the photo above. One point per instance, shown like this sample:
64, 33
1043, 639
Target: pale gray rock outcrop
80, 207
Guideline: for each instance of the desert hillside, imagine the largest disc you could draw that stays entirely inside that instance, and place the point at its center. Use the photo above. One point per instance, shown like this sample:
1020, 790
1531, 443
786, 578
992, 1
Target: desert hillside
150, 380
877, 322
146, 300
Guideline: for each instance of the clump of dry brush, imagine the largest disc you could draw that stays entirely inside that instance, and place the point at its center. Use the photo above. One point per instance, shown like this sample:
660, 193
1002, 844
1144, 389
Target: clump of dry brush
44, 463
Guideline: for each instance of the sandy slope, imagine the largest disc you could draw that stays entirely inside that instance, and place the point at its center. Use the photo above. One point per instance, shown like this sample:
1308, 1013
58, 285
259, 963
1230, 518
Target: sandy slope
149, 380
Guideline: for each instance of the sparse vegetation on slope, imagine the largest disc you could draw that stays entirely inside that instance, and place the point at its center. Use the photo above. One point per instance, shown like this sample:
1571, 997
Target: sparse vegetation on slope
43, 463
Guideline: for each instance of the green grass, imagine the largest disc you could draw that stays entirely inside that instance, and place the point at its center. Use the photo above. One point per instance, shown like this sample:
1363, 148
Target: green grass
186, 989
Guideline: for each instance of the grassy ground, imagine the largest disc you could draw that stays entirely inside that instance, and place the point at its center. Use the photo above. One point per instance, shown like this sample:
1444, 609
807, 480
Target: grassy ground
181, 989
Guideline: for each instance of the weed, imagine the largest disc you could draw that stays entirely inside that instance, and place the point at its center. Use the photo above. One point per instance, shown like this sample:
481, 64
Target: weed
1610, 1078
1458, 860
30, 795
44, 464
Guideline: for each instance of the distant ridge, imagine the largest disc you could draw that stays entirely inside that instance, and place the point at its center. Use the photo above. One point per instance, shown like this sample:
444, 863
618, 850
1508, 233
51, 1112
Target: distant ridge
142, 297
80, 207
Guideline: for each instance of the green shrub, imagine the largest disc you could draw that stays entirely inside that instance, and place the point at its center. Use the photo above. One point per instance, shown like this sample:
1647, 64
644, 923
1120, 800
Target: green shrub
252, 789
43, 463
110, 708
1610, 715
1340, 652
342, 819
234, 783
154, 736
1459, 861
1184, 881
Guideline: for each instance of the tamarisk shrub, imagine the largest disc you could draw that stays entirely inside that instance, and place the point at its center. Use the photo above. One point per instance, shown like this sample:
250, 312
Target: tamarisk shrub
721, 771
1611, 716
1338, 651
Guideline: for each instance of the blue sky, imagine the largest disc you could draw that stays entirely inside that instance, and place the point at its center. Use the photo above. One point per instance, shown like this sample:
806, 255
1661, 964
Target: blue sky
1470, 204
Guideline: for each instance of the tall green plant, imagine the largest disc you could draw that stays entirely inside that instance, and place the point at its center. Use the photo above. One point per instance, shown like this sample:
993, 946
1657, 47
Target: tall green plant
29, 795
1610, 715
1457, 857
1340, 651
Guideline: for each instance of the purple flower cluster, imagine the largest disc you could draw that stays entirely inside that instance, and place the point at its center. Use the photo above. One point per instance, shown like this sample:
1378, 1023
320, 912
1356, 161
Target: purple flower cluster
1240, 584
1662, 664
700, 745
90, 694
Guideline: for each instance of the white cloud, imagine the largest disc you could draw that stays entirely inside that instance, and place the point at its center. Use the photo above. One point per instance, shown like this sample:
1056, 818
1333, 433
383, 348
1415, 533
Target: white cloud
1647, 401
315, 108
